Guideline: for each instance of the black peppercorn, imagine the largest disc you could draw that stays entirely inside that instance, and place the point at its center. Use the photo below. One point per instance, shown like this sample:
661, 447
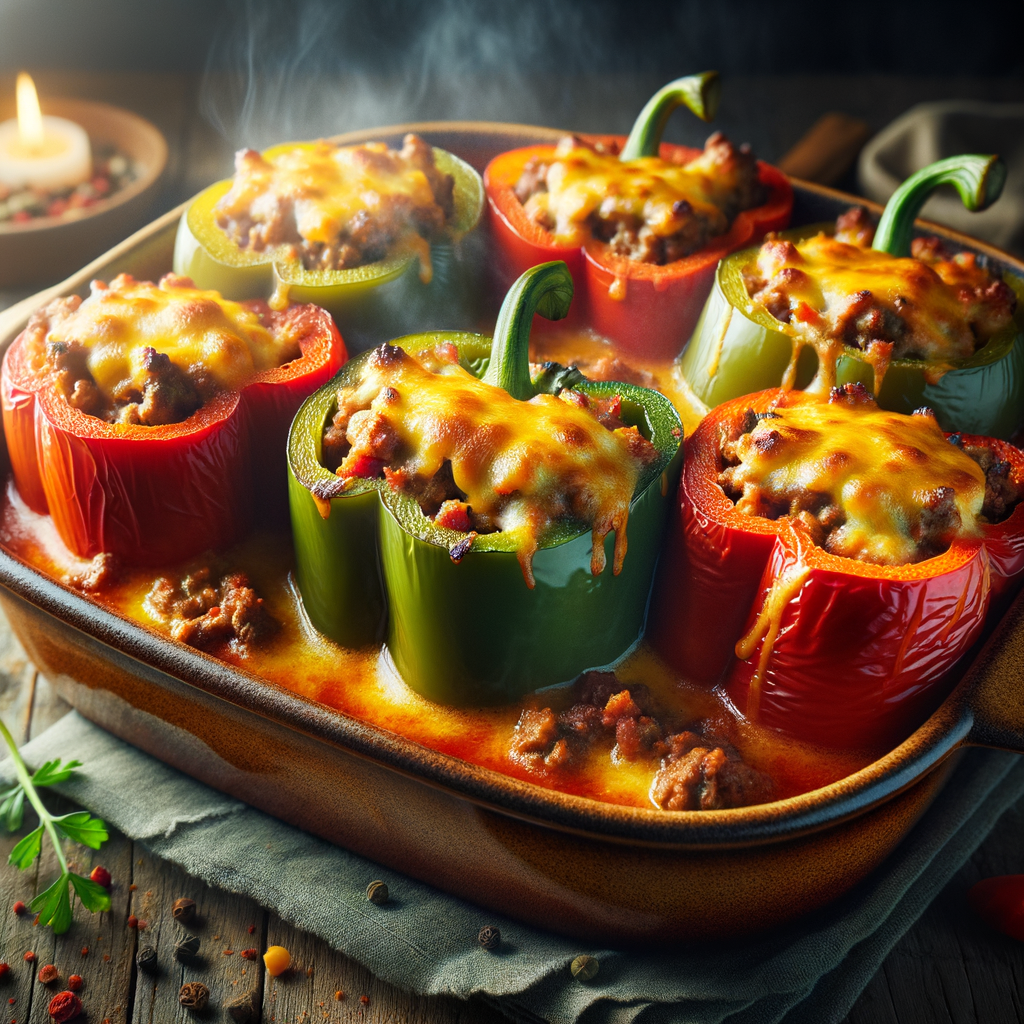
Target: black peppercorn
187, 949
194, 996
489, 937
377, 892
244, 1009
146, 959
183, 910
584, 967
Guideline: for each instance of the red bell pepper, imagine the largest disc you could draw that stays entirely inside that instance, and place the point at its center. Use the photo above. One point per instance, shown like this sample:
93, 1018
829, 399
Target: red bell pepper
829, 649
153, 494
647, 309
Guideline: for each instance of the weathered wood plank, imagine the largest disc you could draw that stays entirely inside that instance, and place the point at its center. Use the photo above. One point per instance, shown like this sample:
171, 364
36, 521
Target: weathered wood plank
222, 923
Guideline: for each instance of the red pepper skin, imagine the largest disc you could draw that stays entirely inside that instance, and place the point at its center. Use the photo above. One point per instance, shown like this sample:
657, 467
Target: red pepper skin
661, 304
150, 495
863, 651
999, 902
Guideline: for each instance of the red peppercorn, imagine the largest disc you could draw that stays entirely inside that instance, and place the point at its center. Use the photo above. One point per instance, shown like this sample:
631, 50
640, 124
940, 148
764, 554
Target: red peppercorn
365, 1000
19, 907
249, 954
75, 983
133, 921
252, 929
65, 1006
29, 956
5, 969
48, 974
85, 951
101, 876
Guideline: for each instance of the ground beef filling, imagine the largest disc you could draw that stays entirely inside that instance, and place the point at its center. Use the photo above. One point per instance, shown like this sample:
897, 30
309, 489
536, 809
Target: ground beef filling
875, 314
212, 613
822, 518
646, 231
692, 769
261, 212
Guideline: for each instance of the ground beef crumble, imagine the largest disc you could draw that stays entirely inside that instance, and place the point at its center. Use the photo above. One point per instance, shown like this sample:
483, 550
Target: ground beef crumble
207, 612
697, 771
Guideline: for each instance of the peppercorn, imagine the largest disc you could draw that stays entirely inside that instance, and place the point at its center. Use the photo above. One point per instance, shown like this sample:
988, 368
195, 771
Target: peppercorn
187, 949
146, 959
365, 1000
489, 937
48, 974
277, 960
29, 956
5, 969
19, 907
101, 876
183, 910
249, 954
64, 1006
133, 921
243, 1009
75, 983
377, 892
194, 995
584, 967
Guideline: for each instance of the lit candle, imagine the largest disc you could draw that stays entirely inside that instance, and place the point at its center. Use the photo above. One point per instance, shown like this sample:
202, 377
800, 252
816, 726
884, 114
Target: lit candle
41, 152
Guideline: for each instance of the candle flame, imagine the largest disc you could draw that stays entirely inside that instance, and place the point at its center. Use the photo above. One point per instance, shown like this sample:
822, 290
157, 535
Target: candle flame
30, 117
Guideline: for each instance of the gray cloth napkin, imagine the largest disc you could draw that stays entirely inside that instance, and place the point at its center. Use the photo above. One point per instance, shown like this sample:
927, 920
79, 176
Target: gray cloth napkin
425, 940
931, 131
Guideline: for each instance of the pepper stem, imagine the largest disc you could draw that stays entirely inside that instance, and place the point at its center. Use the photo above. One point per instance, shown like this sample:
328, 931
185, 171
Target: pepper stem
545, 289
699, 93
978, 179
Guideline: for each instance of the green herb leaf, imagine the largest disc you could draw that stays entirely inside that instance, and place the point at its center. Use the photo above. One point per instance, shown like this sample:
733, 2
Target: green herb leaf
51, 773
12, 808
53, 905
27, 849
82, 827
93, 896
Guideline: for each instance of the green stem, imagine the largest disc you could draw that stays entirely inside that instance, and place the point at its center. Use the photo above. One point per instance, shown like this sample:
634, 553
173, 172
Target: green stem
978, 179
698, 93
25, 778
545, 289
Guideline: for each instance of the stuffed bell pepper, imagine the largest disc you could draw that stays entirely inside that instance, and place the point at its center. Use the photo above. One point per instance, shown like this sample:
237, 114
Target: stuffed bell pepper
478, 517
640, 223
150, 420
829, 562
915, 324
373, 235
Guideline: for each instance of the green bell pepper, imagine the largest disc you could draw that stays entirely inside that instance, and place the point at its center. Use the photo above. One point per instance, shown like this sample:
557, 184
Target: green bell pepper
370, 303
370, 564
739, 347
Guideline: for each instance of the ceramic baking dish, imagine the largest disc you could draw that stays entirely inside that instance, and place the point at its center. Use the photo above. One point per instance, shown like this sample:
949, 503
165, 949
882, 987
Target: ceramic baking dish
602, 872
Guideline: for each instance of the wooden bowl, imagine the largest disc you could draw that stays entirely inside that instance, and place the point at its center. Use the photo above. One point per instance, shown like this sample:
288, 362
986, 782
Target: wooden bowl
49, 248
604, 873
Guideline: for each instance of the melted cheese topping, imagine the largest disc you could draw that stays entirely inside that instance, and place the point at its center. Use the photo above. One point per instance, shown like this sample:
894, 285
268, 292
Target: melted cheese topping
329, 187
833, 293
525, 465
199, 331
882, 476
581, 183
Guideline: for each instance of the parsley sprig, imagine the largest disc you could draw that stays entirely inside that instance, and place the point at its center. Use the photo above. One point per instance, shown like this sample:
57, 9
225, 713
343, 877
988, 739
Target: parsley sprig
53, 905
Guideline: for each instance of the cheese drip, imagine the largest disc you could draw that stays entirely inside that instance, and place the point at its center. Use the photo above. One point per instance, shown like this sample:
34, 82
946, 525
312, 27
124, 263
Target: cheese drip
208, 337
522, 466
872, 485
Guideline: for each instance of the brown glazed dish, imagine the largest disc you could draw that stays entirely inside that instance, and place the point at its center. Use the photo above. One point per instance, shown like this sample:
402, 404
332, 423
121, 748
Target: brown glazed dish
552, 859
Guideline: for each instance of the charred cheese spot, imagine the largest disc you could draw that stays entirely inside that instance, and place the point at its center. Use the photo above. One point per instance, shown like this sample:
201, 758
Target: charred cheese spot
166, 347
514, 466
833, 293
877, 486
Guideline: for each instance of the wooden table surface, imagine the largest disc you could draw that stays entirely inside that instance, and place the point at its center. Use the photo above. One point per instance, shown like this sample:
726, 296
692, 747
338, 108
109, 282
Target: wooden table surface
948, 969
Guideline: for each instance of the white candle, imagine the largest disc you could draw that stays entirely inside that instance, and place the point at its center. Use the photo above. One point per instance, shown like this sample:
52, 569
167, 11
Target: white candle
42, 152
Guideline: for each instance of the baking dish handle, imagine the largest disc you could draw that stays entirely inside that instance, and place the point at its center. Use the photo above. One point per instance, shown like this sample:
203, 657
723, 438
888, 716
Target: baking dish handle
994, 690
